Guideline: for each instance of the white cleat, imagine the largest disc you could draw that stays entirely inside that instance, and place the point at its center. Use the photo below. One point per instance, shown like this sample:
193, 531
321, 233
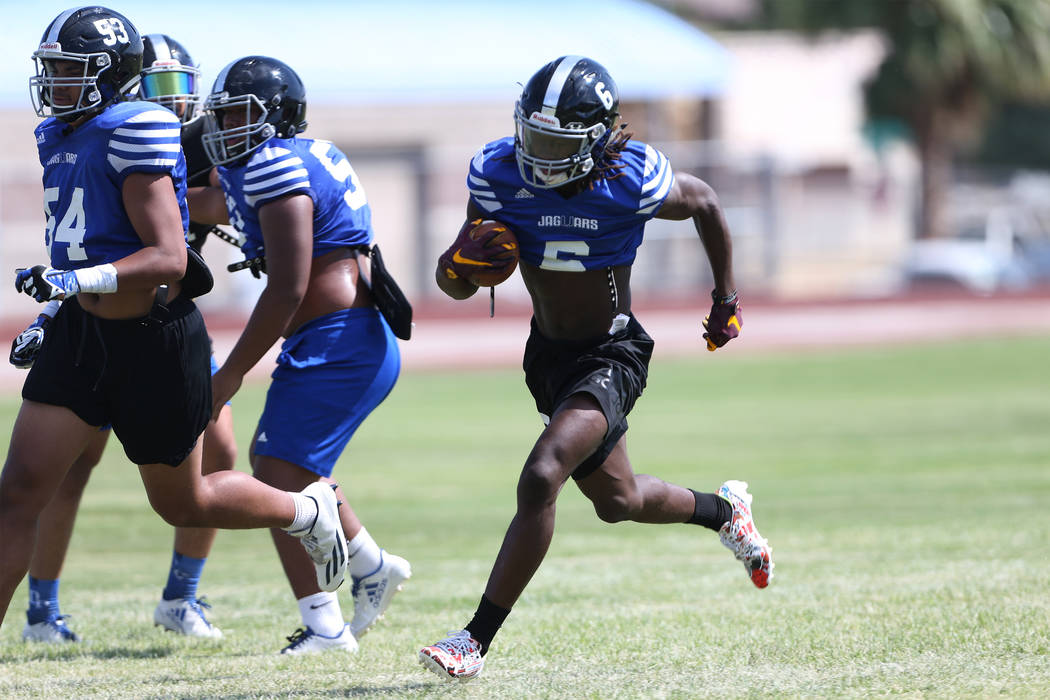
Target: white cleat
457, 657
185, 616
305, 641
372, 593
53, 631
741, 537
324, 539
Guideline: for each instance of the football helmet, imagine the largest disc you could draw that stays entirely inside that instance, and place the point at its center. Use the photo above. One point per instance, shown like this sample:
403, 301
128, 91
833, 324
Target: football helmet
566, 114
254, 99
169, 76
88, 58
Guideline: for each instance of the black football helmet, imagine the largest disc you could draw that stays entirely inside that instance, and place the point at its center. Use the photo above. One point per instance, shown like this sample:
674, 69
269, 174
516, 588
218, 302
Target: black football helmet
273, 100
170, 77
108, 50
566, 114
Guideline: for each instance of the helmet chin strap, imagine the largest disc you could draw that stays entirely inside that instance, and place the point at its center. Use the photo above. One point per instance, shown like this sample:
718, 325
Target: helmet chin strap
118, 95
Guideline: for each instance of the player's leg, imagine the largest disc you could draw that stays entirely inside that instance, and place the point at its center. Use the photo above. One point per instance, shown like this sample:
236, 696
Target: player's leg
233, 500
323, 626
170, 357
618, 494
180, 609
322, 391
575, 431
230, 500
44, 619
36, 464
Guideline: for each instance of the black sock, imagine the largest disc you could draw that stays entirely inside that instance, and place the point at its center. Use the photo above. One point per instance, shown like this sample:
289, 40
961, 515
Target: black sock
711, 511
487, 620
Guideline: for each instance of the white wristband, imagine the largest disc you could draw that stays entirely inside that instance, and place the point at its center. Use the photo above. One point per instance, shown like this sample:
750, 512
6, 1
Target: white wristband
100, 279
51, 309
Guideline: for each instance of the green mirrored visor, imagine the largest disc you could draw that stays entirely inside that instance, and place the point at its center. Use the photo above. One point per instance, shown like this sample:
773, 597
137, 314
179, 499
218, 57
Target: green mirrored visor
165, 83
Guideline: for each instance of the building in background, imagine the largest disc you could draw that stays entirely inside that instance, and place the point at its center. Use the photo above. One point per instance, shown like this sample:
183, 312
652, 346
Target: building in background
410, 92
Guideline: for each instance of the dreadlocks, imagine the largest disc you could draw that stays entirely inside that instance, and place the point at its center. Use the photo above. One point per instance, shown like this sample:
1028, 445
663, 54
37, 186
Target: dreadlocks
608, 165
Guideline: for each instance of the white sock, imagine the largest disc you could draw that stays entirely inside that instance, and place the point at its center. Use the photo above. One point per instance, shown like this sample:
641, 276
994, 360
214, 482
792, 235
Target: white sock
305, 514
321, 613
364, 554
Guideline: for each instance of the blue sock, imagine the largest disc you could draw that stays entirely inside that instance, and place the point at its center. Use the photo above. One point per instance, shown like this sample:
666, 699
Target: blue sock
43, 600
183, 578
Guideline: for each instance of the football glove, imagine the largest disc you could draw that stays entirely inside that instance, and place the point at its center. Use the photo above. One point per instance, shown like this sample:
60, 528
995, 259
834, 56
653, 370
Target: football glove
45, 283
27, 343
724, 322
468, 255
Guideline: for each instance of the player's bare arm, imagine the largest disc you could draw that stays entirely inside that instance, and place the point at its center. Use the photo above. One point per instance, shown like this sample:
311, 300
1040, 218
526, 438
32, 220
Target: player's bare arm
149, 200
287, 228
692, 198
207, 204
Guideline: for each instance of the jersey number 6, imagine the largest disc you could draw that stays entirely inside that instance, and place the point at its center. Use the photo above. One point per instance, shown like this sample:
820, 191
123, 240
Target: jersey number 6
551, 261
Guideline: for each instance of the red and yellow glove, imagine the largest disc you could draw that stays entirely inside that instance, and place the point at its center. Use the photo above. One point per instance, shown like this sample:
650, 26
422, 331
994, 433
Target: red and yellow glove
467, 256
724, 322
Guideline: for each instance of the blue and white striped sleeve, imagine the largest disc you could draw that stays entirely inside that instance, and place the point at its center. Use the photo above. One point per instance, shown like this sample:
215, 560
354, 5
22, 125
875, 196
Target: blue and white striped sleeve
657, 179
480, 189
147, 142
274, 172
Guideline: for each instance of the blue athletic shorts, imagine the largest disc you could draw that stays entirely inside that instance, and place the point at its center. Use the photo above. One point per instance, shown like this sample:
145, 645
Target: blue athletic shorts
330, 375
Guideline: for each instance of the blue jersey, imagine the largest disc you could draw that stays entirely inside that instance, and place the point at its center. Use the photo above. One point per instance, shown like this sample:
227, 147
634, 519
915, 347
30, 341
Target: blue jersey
84, 171
283, 167
596, 228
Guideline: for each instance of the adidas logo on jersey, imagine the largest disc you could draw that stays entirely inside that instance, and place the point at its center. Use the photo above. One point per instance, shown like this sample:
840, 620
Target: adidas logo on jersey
524, 194
261, 438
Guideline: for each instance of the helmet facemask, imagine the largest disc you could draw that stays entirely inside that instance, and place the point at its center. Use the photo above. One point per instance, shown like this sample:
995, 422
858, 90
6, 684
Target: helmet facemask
228, 144
173, 85
550, 154
90, 98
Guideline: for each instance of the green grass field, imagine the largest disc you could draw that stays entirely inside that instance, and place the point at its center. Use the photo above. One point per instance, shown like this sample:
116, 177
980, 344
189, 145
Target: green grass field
906, 493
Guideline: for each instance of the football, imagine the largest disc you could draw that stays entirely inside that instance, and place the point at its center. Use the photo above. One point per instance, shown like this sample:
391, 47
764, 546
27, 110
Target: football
503, 246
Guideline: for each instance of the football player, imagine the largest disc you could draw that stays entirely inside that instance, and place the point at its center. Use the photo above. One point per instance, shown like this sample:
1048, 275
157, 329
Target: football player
577, 192
127, 347
305, 222
170, 78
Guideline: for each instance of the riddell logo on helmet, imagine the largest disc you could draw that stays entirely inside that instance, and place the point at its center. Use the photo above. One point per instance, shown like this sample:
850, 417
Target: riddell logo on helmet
50, 46
548, 119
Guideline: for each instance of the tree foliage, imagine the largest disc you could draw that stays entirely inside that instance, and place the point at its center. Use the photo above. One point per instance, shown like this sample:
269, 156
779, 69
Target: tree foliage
946, 62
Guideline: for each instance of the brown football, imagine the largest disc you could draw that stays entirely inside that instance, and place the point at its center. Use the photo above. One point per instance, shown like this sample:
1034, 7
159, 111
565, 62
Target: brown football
503, 246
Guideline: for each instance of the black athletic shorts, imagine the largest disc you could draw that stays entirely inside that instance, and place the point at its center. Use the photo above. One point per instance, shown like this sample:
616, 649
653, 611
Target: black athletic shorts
150, 377
612, 369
